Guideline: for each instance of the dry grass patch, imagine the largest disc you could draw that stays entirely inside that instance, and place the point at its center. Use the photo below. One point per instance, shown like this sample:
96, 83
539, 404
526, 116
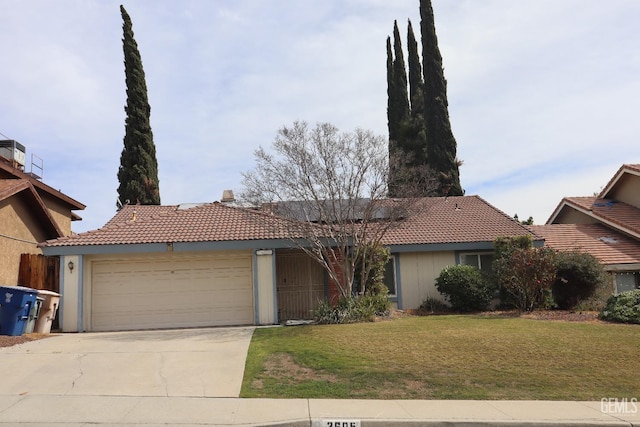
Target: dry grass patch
282, 367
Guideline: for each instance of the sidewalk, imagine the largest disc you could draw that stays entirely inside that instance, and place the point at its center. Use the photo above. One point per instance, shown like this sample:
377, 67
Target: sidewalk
33, 410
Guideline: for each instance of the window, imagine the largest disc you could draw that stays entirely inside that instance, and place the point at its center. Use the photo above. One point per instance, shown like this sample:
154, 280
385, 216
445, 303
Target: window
390, 276
482, 261
627, 281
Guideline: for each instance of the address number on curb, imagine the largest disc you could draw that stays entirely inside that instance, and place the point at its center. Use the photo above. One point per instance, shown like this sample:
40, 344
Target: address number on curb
341, 423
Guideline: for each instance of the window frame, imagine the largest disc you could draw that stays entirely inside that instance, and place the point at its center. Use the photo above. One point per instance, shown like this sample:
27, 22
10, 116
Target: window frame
636, 277
478, 254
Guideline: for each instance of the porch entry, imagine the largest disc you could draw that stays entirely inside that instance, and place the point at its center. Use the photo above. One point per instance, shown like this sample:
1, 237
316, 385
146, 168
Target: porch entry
300, 284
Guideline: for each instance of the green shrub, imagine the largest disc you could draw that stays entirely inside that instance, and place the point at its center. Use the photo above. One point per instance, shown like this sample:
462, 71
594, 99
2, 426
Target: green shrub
578, 275
381, 304
504, 245
465, 287
598, 300
525, 277
434, 305
352, 309
623, 308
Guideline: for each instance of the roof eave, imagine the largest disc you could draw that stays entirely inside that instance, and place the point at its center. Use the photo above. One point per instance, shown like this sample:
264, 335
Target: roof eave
74, 204
624, 169
557, 210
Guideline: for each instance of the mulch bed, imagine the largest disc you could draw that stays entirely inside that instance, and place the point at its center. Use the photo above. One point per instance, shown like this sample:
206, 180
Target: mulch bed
559, 315
567, 316
8, 341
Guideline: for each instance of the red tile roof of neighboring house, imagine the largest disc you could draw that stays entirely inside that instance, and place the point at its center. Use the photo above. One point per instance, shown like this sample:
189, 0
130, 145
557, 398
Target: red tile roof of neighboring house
454, 220
618, 214
609, 246
436, 220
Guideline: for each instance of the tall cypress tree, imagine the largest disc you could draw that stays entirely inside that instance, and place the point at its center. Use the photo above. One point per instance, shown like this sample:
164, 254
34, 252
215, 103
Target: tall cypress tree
397, 109
392, 122
400, 77
398, 101
416, 84
138, 172
407, 139
441, 144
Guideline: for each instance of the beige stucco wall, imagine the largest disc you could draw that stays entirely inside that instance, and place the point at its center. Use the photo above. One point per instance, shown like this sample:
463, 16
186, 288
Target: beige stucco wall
265, 288
59, 211
418, 272
17, 236
627, 190
572, 216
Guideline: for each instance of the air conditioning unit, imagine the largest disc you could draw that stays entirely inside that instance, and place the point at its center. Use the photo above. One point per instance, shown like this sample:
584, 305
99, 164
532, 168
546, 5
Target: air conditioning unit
13, 153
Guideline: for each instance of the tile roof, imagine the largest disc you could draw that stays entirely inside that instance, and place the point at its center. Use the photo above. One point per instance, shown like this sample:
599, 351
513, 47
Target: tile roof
436, 220
609, 246
618, 214
140, 212
212, 222
458, 219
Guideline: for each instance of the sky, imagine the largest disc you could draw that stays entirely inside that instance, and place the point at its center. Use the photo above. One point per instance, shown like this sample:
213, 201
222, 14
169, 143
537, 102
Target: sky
544, 95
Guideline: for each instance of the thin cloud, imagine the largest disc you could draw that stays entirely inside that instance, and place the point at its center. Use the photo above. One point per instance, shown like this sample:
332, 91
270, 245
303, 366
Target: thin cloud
542, 93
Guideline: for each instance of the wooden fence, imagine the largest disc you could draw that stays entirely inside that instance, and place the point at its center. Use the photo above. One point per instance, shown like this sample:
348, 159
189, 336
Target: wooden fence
39, 272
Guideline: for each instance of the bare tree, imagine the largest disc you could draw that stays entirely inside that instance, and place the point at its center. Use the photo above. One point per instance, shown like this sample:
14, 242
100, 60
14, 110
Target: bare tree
333, 188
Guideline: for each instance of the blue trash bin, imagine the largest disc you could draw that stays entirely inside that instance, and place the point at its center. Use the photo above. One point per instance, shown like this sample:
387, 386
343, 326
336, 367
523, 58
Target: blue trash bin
15, 305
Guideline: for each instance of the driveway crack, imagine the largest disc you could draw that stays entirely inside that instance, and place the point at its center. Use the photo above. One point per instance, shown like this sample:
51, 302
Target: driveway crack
79, 358
162, 373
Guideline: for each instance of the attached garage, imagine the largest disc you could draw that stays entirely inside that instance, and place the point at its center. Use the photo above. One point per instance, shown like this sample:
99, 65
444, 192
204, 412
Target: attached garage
171, 291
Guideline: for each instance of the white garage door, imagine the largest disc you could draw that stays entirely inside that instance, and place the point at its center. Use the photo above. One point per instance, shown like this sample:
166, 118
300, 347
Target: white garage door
172, 292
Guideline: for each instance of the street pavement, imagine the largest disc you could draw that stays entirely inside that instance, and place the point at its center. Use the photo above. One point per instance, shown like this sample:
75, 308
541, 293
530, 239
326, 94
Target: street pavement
192, 377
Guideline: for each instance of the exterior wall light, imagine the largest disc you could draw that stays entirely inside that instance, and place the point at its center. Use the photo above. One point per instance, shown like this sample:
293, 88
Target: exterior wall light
70, 265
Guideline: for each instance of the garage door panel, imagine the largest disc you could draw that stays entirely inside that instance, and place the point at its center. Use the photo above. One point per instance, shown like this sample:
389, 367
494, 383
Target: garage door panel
170, 293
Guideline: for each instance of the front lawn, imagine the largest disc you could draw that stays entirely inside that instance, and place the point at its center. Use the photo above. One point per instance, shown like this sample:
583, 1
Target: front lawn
446, 357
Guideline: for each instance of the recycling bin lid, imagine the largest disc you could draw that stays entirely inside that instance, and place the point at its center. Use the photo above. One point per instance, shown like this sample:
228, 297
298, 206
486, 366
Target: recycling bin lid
19, 288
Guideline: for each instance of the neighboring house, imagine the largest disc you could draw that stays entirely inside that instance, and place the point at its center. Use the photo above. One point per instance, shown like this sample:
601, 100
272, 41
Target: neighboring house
216, 264
30, 212
618, 253
607, 226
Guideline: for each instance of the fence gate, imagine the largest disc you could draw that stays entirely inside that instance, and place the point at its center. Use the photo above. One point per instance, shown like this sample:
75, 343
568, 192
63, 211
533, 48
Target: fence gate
300, 283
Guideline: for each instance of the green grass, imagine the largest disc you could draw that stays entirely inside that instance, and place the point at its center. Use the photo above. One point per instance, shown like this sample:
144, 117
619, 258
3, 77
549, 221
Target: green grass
446, 357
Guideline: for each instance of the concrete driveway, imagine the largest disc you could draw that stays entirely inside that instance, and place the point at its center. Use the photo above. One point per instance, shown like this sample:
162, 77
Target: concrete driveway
175, 363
